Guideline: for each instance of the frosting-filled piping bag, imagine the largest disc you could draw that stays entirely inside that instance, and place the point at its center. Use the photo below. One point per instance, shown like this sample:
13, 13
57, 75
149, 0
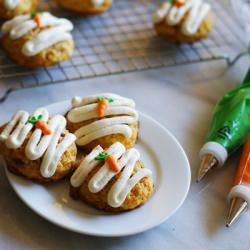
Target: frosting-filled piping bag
229, 128
239, 195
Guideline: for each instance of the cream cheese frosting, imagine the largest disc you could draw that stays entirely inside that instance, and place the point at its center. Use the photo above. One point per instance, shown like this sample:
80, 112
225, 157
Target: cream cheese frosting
11, 4
195, 10
57, 30
84, 109
126, 181
97, 2
46, 147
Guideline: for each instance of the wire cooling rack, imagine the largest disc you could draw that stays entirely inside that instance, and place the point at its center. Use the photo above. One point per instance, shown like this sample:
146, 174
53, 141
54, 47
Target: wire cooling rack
122, 40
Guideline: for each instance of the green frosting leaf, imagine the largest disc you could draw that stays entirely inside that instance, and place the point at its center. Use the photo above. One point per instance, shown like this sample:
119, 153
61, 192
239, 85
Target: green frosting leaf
34, 120
101, 156
106, 98
32, 14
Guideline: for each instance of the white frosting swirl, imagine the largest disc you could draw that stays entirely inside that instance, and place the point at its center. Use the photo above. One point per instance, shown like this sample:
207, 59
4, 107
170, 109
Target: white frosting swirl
42, 146
123, 185
97, 2
84, 109
10, 4
195, 10
57, 30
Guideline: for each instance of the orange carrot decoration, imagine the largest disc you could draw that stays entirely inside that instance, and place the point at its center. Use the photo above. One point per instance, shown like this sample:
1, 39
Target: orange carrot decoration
44, 127
102, 107
38, 20
112, 162
179, 3
40, 124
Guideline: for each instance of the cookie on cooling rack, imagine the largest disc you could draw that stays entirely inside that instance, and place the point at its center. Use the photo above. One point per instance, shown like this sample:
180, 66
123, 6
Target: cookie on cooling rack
11, 8
38, 146
38, 39
103, 119
113, 180
183, 21
88, 7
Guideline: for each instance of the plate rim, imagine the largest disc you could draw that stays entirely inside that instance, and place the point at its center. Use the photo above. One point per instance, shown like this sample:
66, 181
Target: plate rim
132, 232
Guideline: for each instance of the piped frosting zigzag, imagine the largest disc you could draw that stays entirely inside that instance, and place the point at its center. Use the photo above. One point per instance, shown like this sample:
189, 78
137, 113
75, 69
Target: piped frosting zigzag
118, 115
97, 2
173, 14
11, 4
126, 161
52, 30
39, 145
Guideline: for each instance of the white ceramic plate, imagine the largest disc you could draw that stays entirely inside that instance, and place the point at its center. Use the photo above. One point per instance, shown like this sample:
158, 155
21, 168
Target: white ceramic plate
160, 152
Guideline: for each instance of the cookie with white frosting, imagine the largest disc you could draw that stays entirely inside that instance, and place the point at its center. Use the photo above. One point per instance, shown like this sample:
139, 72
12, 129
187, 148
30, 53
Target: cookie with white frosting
12, 8
113, 179
103, 119
88, 7
38, 146
183, 21
38, 39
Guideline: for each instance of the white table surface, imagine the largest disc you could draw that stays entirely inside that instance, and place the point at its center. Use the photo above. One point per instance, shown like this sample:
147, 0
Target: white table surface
181, 98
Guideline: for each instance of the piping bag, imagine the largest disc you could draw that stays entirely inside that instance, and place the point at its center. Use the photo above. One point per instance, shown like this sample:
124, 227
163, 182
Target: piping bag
239, 195
229, 128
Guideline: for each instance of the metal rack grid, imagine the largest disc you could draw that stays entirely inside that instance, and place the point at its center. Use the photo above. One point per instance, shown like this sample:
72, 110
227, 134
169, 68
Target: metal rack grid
122, 40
